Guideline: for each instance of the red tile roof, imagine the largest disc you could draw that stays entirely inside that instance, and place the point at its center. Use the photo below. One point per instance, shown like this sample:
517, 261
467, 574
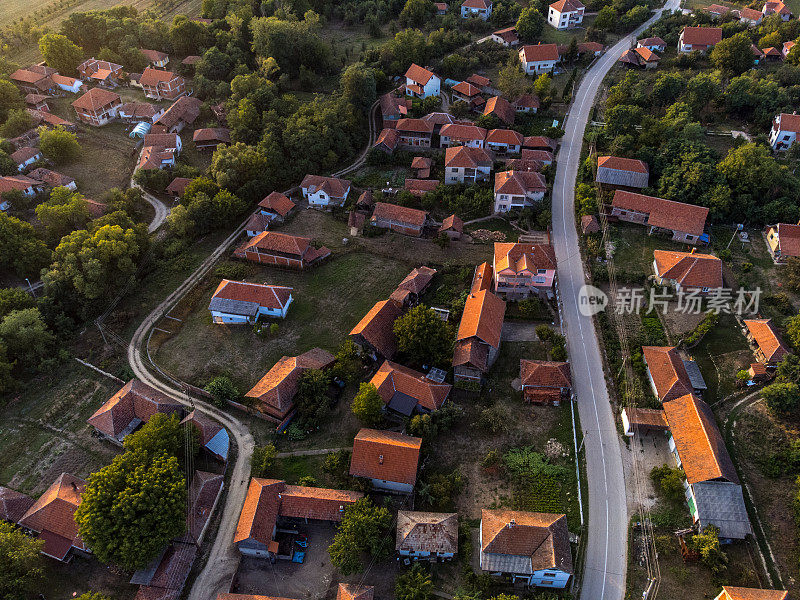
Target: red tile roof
502, 109
25, 154
302, 502
414, 126
220, 135
765, 335
482, 279
479, 4
385, 455
542, 373
622, 164
333, 186
539, 53
427, 532
452, 223
419, 75
541, 536
567, 5
654, 41
154, 56
540, 142
519, 256
53, 516
667, 372
96, 98
271, 241
519, 183
417, 280
482, 318
152, 77
13, 504
376, 327
466, 89
689, 270
418, 187
269, 296
667, 214
466, 157
504, 136
392, 377
134, 400
352, 591
479, 80
701, 36
185, 108
741, 593
461, 132
178, 185
789, 122
277, 203
403, 214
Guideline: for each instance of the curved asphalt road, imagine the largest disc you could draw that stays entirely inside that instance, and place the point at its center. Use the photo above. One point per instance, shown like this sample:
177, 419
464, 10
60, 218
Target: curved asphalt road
606, 549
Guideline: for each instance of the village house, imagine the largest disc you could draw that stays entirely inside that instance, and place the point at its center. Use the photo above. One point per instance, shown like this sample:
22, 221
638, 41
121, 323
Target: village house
281, 250
177, 187
507, 37
750, 16
670, 375
257, 224
775, 7
49, 120
374, 335
388, 459
701, 39
393, 108
527, 547
97, 106
522, 270
426, 535
274, 393
544, 382
466, 165
565, 14
654, 44
270, 502
211, 436
416, 133
238, 302
277, 206
325, 191
441, 8
413, 286
464, 91
772, 54
642, 420
717, 11
514, 190
132, 405
481, 9
687, 271
400, 219
387, 141
538, 59
25, 156
421, 82
478, 339
155, 58
162, 85
52, 518
739, 593
783, 241
540, 142
784, 131
406, 392
26, 185
184, 111
139, 112
13, 505
686, 222
713, 492
352, 591
640, 57
484, 84
159, 150
457, 134
420, 187
32, 82
439, 120
502, 109
37, 101
787, 47
527, 103
421, 165
504, 141
103, 72
767, 346
52, 179
452, 227
482, 278
614, 171
211, 137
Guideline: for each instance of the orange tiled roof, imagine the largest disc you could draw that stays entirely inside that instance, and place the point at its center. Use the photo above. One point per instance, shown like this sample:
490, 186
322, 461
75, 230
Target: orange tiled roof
152, 77
543, 373
414, 126
418, 187
260, 511
519, 183
96, 98
667, 372
452, 223
750, 14
53, 515
403, 214
376, 327
417, 280
539, 53
463, 133
269, 296
178, 185
504, 136
471, 351
466, 157
279, 242
466, 89
351, 591
541, 536
13, 504
419, 75
740, 593
333, 186
519, 256
303, 502
480, 80
482, 318
763, 331
385, 455
667, 214
698, 440
789, 123
567, 5
392, 377
693, 270
501, 108
622, 164
482, 279
134, 400
277, 203
702, 36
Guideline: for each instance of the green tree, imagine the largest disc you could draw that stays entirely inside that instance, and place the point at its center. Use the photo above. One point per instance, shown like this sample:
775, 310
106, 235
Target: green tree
367, 405
21, 565
59, 145
358, 82
18, 121
542, 85
733, 55
262, 461
782, 398
93, 596
27, 339
707, 544
64, 212
364, 529
423, 336
14, 299
529, 24
21, 250
511, 80
414, 584
187, 36
223, 390
607, 19
348, 363
163, 434
234, 166
417, 13
10, 98
132, 508
667, 88
60, 53
311, 400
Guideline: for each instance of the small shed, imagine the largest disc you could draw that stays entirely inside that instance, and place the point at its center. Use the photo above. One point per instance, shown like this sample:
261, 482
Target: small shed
453, 227
590, 224
643, 420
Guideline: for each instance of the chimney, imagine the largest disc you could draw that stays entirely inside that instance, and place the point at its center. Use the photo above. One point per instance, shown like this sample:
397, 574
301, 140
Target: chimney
693, 249
512, 523
380, 459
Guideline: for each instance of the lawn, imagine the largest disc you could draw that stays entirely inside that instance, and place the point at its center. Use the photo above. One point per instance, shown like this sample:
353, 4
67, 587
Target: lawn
721, 353
633, 251
551, 35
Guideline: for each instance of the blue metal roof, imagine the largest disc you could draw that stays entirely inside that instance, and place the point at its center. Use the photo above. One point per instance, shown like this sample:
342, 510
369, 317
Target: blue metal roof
220, 444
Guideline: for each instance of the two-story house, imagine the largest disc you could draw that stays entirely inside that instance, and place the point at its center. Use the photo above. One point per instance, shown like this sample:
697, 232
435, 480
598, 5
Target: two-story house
541, 58
414, 133
522, 270
785, 128
514, 190
458, 134
162, 85
466, 165
481, 9
325, 191
687, 271
565, 14
504, 141
478, 338
421, 82
97, 106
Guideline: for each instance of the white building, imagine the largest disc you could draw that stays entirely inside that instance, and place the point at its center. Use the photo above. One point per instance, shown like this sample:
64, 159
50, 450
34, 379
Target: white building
517, 189
785, 128
565, 14
325, 191
476, 8
541, 58
239, 302
421, 82
466, 165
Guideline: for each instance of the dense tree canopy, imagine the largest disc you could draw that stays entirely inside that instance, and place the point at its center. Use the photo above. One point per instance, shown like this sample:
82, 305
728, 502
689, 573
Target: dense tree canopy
60, 53
367, 405
364, 529
64, 212
26, 338
21, 565
21, 250
423, 336
59, 145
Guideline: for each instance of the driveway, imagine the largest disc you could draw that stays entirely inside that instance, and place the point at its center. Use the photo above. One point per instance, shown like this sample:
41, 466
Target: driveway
519, 332
607, 532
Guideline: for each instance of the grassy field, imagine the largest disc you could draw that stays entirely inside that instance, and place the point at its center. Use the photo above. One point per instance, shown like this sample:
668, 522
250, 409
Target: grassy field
633, 251
720, 355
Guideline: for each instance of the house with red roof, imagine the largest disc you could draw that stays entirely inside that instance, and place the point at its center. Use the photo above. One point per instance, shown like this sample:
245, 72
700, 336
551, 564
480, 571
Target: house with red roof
374, 334
277, 206
393, 108
421, 82
353, 591
97, 106
514, 190
686, 222
388, 459
785, 128
717, 11
523, 269
25, 156
452, 227
783, 241
539, 58
177, 186
162, 85
670, 373
387, 141
565, 14
459, 134
103, 72
22, 183
464, 91
30, 81
776, 7
400, 219
413, 286
507, 37
544, 382
504, 141
763, 337
421, 165
481, 9
137, 112
529, 548
701, 39
257, 224
184, 111
614, 171
325, 192
463, 164
441, 9
688, 271
281, 250
239, 302
211, 137
500, 108
67, 84
272, 502
13, 504
730, 592
132, 405
640, 57
407, 392
527, 103
478, 339
155, 58
426, 535
420, 187
654, 44
212, 437
415, 133
750, 16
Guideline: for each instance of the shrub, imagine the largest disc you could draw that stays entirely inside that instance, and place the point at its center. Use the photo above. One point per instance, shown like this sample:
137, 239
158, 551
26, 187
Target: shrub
544, 333
222, 391
262, 461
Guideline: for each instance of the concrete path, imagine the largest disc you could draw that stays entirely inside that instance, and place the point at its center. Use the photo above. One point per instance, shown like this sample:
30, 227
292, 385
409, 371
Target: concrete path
607, 532
161, 209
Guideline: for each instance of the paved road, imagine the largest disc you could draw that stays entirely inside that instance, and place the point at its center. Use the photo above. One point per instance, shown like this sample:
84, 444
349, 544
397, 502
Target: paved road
161, 209
606, 549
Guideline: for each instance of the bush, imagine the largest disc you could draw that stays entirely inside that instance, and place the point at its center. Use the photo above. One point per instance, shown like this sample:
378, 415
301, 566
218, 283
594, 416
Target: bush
782, 398
559, 353
701, 330
262, 461
544, 333
669, 482
222, 391
367, 405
